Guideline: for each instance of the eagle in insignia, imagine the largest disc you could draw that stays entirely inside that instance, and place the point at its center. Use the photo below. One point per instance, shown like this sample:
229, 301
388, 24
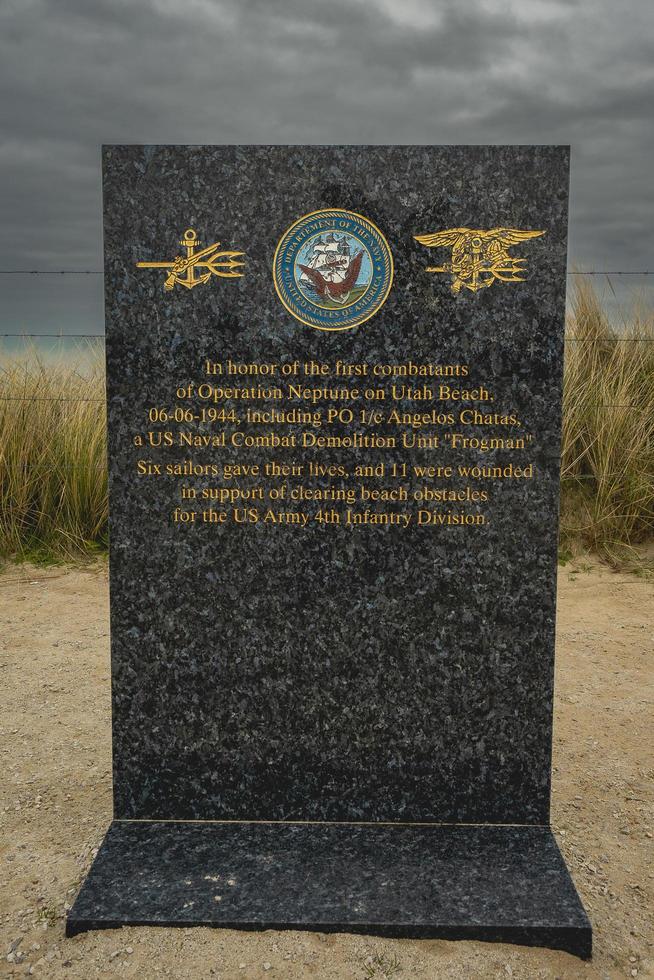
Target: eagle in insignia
334, 280
479, 258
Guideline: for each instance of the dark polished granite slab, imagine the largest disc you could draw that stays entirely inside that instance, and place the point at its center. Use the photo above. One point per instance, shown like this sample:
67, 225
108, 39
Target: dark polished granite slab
330, 673
499, 884
351, 677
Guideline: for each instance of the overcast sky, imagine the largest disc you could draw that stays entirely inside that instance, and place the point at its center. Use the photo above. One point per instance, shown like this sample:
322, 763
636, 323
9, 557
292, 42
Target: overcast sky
79, 73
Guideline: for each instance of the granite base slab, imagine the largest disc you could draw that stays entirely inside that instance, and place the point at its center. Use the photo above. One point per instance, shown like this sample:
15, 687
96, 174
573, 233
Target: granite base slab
494, 883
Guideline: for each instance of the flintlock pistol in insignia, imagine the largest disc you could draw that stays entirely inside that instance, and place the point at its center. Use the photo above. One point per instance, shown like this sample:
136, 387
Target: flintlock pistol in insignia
479, 258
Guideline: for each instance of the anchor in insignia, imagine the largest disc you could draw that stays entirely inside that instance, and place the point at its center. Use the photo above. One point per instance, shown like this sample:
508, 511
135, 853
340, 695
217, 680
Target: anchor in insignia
479, 258
226, 265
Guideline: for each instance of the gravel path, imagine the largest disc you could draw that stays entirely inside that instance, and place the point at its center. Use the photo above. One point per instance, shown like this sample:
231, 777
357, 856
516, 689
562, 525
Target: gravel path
55, 801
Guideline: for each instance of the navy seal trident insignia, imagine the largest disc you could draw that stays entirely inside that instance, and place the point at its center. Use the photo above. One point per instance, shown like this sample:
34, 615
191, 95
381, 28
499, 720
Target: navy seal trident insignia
479, 258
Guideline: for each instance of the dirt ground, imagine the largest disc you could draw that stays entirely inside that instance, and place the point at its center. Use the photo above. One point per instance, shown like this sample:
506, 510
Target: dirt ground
55, 802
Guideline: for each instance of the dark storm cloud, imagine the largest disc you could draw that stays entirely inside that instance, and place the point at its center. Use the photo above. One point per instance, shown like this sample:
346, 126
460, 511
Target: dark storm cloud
77, 73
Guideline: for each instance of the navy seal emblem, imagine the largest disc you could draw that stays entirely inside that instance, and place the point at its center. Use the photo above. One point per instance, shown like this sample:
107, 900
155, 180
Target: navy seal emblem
333, 269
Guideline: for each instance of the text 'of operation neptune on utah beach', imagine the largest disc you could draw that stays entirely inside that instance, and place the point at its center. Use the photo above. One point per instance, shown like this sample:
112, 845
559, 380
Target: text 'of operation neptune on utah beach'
295, 405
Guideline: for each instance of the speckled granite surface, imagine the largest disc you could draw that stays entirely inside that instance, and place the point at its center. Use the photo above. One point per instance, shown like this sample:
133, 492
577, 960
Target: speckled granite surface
285, 673
323, 673
505, 884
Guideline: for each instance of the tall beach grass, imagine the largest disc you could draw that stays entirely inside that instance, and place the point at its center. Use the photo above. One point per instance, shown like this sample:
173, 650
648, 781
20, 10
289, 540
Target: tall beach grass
607, 485
53, 480
53, 472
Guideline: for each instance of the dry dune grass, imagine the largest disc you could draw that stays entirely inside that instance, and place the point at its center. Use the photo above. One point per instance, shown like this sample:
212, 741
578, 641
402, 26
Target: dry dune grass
53, 473
53, 481
608, 429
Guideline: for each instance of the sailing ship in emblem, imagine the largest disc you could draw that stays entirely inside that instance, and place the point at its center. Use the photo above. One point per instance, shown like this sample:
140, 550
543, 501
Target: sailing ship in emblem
331, 271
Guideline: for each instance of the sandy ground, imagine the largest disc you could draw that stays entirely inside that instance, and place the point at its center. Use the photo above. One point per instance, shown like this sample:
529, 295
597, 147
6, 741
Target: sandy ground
56, 801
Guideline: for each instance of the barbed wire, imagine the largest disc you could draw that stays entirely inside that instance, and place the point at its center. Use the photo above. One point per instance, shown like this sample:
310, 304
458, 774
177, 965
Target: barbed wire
51, 272
567, 340
97, 336
58, 336
100, 272
102, 336
39, 398
45, 398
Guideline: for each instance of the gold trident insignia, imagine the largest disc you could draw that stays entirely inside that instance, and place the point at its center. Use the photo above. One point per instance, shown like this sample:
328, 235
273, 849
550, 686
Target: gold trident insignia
221, 264
479, 258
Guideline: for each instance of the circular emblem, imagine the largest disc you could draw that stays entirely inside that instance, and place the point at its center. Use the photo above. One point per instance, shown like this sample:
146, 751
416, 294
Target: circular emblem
333, 269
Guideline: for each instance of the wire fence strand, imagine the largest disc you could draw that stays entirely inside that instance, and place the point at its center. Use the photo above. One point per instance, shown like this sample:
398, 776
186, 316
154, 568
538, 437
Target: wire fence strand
100, 272
99, 336
102, 336
44, 398
58, 336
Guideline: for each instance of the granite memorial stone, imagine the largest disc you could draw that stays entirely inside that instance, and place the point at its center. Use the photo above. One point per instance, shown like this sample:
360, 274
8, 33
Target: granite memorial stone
334, 397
